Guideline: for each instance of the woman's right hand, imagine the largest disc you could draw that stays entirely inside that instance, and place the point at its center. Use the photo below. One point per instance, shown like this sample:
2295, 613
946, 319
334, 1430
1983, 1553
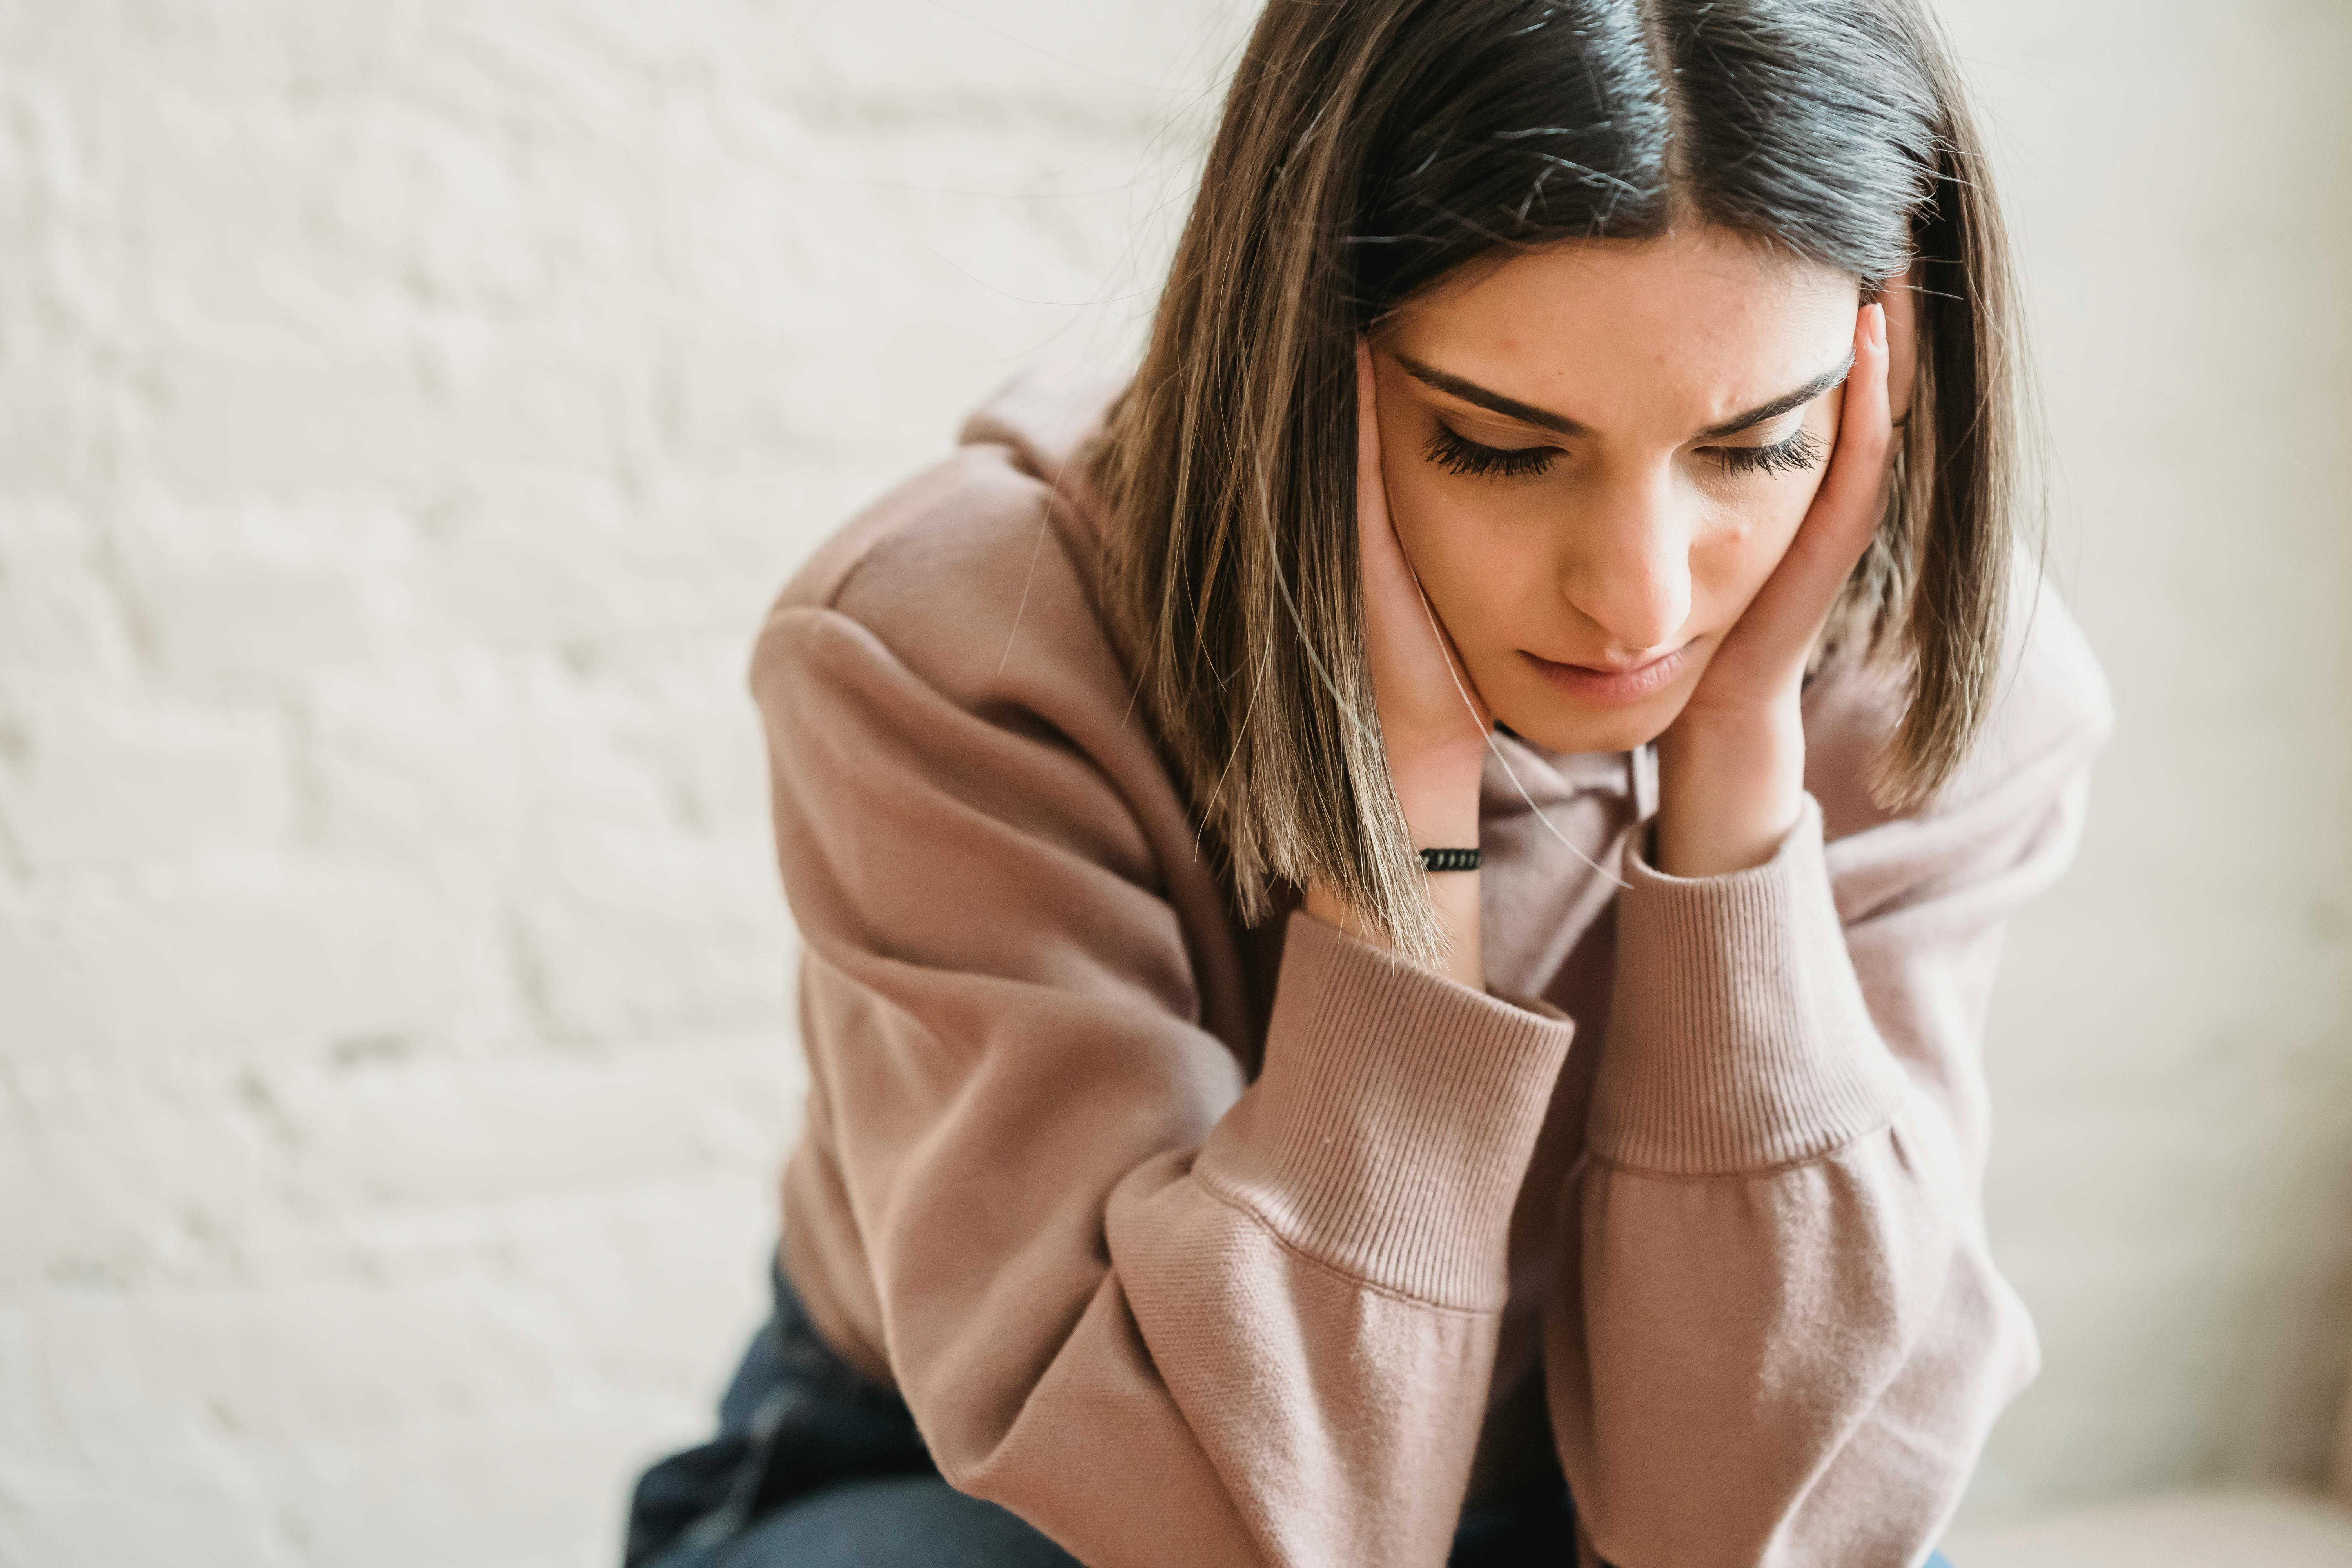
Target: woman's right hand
1434, 723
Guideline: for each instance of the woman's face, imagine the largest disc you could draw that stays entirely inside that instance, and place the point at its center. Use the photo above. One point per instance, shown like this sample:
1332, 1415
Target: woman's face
1596, 454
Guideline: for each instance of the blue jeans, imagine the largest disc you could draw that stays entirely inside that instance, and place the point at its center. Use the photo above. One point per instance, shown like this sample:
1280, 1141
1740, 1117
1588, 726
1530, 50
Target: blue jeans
815, 1466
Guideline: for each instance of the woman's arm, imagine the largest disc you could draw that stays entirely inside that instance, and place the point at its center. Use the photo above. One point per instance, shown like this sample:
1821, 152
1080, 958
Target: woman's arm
1166, 1314
1776, 1336
1434, 723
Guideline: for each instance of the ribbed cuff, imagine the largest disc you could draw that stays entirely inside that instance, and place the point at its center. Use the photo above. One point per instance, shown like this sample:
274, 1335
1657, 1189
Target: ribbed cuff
1391, 1126
1738, 1039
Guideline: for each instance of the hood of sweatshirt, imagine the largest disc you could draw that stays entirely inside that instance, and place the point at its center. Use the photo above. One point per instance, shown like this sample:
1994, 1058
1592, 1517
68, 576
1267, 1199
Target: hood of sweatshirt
1046, 414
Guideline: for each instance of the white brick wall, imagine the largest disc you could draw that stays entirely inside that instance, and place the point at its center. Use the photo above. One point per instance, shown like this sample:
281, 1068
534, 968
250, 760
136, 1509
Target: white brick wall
405, 411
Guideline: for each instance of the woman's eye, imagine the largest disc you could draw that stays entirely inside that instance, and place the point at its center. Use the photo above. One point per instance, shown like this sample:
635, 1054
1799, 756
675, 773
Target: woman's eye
1457, 454
1802, 450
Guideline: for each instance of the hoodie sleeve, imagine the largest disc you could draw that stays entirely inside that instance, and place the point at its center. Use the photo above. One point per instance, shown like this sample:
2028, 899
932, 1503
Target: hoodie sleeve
1165, 1313
1777, 1336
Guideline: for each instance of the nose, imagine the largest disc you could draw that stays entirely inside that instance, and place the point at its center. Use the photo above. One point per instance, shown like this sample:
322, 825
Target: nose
1626, 565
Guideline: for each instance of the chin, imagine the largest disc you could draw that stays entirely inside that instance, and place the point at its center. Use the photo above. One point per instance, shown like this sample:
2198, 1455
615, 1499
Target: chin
1559, 726
1593, 732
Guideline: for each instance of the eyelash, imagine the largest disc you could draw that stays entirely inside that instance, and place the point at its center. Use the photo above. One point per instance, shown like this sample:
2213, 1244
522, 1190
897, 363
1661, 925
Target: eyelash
1802, 450
1456, 455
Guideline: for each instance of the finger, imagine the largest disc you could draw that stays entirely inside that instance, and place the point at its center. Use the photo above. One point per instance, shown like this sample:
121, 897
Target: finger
1382, 556
1372, 490
1900, 297
1846, 509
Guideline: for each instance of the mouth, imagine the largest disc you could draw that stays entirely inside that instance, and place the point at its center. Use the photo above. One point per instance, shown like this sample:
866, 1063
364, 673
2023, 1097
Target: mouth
1612, 687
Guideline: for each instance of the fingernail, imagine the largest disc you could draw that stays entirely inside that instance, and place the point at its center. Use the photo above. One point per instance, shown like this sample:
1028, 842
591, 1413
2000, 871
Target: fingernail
1878, 326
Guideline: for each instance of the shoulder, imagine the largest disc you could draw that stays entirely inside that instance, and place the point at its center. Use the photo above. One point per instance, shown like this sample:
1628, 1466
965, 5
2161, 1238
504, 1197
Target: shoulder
2052, 711
980, 562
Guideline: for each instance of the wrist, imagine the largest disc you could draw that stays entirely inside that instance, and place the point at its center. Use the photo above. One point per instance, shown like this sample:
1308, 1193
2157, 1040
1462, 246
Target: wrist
1728, 792
1440, 812
1453, 898
1439, 797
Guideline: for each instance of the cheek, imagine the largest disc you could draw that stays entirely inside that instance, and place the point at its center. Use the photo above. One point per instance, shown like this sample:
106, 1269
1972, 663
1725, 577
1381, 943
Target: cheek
1472, 551
1436, 529
1747, 540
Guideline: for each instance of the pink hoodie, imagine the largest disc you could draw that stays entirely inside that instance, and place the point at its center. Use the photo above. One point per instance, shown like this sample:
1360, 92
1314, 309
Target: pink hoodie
1198, 1244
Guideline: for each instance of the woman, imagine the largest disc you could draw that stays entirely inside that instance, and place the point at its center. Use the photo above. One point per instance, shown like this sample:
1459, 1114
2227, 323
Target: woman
1399, 910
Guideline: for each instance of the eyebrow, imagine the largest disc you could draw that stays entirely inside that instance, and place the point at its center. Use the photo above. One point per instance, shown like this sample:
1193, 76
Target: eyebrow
1545, 419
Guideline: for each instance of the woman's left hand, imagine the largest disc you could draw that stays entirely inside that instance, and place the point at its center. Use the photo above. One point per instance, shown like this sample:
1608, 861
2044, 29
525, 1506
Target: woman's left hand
1732, 765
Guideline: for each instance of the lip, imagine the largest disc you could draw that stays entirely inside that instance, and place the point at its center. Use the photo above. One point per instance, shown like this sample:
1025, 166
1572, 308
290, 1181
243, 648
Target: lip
1610, 686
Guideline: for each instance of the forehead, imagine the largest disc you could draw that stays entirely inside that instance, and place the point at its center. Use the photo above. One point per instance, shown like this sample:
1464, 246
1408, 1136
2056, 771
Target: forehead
1685, 330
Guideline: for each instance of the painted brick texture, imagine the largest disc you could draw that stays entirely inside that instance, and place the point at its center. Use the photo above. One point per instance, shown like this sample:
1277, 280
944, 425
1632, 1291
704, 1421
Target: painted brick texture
405, 413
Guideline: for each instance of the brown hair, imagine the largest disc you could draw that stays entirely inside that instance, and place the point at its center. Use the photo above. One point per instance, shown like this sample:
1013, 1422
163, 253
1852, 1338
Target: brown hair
1370, 150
